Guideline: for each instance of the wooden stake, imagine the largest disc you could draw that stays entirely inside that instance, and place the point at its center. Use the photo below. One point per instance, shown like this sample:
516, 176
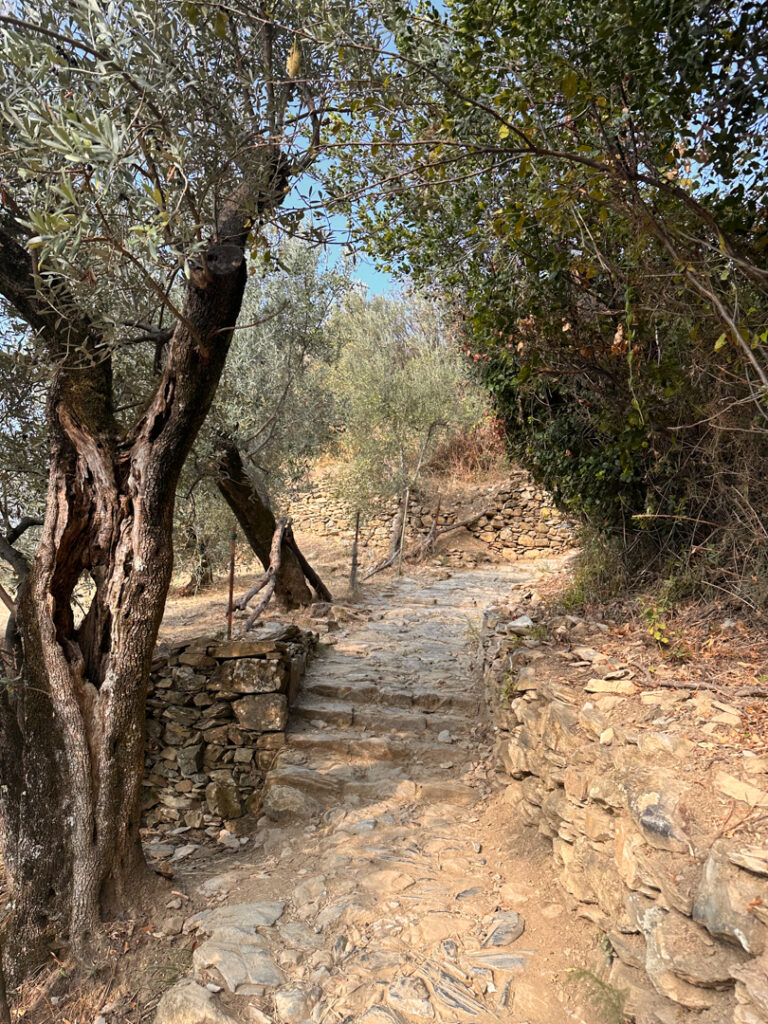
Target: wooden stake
353, 569
231, 585
402, 535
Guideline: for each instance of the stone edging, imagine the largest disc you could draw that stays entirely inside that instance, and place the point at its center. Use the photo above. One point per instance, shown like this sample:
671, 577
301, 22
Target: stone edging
682, 902
216, 717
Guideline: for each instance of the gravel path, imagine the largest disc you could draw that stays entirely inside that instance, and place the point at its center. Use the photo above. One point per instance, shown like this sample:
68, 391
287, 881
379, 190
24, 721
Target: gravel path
387, 883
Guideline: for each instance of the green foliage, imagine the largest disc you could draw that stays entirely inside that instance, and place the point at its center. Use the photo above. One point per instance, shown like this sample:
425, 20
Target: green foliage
587, 183
274, 398
400, 385
273, 401
22, 435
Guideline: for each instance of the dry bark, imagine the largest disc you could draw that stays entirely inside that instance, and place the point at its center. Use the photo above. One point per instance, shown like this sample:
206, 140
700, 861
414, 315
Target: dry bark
282, 541
269, 579
422, 547
72, 731
253, 513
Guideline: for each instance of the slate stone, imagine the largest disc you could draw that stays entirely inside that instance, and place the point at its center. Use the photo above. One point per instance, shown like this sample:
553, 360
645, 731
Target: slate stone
410, 997
675, 944
293, 1005
190, 1003
190, 759
223, 799
724, 896
245, 917
262, 712
506, 928
243, 962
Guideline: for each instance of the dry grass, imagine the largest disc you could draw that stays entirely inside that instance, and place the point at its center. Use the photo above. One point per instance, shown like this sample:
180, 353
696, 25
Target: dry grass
708, 645
127, 980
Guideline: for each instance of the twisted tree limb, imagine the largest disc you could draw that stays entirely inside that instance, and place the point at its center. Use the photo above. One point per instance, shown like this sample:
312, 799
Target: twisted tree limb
269, 579
421, 548
7, 600
282, 540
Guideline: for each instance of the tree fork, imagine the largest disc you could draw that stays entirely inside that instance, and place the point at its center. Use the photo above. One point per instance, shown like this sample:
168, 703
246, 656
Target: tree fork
72, 730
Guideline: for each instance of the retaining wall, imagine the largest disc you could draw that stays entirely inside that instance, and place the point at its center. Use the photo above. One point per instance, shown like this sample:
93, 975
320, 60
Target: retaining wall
663, 850
519, 518
216, 717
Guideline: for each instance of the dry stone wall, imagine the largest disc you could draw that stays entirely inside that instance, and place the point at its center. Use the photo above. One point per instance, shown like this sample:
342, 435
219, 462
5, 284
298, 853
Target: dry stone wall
216, 717
520, 518
645, 845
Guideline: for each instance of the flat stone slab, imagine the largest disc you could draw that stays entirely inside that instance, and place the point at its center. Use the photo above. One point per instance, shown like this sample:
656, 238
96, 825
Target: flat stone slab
507, 927
242, 917
244, 963
190, 1003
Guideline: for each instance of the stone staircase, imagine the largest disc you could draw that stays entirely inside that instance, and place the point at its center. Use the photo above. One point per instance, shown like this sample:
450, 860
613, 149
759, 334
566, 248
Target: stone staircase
378, 717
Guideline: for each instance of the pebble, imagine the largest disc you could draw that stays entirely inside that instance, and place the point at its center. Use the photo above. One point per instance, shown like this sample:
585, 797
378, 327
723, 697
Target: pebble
185, 851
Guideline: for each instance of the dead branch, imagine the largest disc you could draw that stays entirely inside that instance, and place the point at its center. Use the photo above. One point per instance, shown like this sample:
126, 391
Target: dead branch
269, 579
282, 539
242, 602
420, 549
24, 524
7, 600
702, 684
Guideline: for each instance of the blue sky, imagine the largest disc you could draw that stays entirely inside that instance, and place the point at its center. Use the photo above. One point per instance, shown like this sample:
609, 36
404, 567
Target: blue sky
376, 280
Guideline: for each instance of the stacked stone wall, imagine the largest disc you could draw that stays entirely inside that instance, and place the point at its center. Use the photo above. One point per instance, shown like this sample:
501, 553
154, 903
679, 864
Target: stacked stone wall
216, 717
667, 857
519, 517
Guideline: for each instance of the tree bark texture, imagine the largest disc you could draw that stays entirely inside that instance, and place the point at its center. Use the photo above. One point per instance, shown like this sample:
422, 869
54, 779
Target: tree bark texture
72, 730
253, 513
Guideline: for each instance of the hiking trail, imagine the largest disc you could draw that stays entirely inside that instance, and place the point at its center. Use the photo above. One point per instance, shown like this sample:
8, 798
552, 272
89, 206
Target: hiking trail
390, 882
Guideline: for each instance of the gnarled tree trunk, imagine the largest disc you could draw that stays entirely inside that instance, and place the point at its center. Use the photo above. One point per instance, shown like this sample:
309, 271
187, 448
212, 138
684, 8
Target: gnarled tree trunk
257, 521
72, 732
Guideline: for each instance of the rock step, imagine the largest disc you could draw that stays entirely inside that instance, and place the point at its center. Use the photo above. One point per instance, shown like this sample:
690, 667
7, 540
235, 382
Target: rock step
381, 718
351, 743
328, 787
369, 693
298, 791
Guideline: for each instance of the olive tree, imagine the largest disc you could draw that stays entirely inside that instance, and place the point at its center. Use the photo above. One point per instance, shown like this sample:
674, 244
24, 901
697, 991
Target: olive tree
272, 409
400, 384
145, 146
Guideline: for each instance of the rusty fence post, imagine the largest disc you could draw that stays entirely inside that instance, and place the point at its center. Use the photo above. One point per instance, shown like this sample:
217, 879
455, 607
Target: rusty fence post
231, 604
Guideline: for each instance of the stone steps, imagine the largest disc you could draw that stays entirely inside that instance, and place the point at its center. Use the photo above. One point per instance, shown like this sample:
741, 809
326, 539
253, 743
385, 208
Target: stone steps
367, 694
364, 726
380, 719
354, 743
296, 790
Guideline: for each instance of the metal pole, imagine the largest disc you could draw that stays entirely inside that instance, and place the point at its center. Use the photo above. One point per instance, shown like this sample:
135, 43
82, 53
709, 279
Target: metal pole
353, 568
231, 585
402, 535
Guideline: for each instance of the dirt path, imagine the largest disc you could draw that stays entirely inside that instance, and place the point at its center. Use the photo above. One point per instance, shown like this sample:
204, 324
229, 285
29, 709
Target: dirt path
388, 881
